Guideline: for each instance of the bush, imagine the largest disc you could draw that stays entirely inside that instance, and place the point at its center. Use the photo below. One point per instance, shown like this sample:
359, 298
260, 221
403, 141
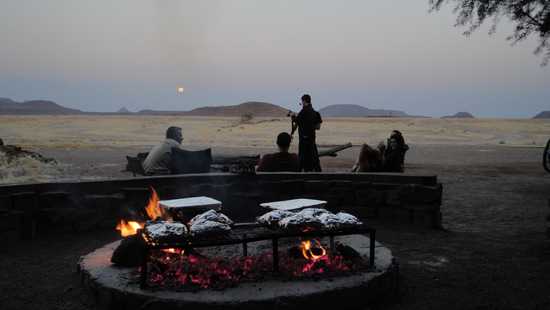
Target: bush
247, 117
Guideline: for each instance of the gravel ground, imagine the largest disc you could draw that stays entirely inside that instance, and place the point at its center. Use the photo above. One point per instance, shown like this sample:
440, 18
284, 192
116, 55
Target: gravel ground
492, 254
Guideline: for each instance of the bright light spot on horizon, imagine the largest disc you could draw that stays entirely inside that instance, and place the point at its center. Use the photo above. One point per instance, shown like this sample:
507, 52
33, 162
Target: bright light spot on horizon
180, 90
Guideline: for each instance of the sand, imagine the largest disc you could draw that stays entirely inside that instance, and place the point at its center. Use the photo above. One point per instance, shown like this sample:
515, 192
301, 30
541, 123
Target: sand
92, 147
75, 132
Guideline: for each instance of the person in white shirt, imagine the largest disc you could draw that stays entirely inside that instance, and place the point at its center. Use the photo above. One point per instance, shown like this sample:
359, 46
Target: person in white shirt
158, 159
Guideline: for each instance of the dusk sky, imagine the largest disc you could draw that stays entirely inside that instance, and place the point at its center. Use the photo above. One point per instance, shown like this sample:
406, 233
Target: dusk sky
394, 54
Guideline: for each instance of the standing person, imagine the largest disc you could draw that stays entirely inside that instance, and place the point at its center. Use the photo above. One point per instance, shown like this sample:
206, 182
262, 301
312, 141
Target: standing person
307, 122
158, 160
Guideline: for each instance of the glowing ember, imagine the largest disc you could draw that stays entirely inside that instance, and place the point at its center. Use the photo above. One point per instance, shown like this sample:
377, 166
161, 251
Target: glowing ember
312, 250
192, 271
128, 228
170, 269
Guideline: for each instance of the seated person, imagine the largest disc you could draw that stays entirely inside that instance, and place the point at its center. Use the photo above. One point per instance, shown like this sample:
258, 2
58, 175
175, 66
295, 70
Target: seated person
158, 159
282, 161
370, 160
394, 154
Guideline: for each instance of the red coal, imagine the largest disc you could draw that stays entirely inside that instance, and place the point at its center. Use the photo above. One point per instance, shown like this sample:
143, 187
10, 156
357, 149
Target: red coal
178, 270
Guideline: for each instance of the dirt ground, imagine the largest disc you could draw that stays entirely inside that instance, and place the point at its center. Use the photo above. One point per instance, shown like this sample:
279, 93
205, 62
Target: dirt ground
492, 254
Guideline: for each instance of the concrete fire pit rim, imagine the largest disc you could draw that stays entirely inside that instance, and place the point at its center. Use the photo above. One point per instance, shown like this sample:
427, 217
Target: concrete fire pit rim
243, 293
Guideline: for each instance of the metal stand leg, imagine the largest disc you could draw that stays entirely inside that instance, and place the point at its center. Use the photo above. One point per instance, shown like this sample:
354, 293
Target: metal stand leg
245, 248
275, 255
144, 270
372, 237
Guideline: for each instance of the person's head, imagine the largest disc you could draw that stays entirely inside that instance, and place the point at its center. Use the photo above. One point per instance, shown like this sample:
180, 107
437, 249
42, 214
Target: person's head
398, 137
283, 141
174, 133
393, 144
306, 100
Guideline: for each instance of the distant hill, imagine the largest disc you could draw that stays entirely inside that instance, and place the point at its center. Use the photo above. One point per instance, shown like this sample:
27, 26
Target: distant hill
460, 115
123, 110
543, 115
8, 106
257, 109
354, 110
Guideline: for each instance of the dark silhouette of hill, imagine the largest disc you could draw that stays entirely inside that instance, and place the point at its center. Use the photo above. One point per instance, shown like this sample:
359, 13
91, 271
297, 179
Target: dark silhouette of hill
542, 115
354, 110
44, 107
8, 106
257, 109
460, 115
123, 110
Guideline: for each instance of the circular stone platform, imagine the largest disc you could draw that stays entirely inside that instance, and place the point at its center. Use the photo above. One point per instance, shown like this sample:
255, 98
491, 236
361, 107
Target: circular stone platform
117, 288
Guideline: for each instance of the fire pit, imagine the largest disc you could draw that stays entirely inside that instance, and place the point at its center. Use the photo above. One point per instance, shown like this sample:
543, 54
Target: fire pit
119, 288
221, 264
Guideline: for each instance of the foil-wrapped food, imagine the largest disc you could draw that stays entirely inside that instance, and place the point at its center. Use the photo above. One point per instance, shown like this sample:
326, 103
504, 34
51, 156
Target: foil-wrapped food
164, 231
273, 217
208, 228
310, 218
306, 218
211, 215
339, 220
210, 222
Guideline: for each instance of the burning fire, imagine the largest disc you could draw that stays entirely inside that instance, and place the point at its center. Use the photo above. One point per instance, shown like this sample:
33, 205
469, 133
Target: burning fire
153, 210
128, 228
173, 251
312, 250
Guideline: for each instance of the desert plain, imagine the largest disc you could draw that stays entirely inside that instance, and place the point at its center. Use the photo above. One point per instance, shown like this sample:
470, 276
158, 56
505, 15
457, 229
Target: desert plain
90, 147
493, 252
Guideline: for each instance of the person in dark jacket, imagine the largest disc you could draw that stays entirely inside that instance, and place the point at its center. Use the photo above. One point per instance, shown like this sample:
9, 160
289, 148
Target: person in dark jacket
307, 122
369, 160
394, 154
283, 161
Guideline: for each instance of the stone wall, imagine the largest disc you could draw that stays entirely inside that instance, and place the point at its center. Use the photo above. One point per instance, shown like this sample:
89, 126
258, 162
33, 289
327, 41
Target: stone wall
81, 205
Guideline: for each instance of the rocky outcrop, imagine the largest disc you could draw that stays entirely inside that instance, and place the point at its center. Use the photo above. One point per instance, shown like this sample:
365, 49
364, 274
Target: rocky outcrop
543, 115
34, 107
13, 152
460, 115
354, 110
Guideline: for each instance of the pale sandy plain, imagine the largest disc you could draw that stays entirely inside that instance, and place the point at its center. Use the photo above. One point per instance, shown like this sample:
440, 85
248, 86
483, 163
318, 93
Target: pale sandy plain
77, 132
92, 147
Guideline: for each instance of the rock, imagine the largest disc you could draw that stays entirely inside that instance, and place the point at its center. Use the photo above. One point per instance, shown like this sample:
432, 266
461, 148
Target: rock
13, 152
129, 253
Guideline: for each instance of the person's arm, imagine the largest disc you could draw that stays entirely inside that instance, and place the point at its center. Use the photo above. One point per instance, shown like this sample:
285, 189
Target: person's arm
294, 118
295, 162
318, 122
262, 164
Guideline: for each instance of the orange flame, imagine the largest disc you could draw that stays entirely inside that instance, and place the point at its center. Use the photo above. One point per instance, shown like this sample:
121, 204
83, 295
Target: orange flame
173, 251
128, 228
153, 210
312, 250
